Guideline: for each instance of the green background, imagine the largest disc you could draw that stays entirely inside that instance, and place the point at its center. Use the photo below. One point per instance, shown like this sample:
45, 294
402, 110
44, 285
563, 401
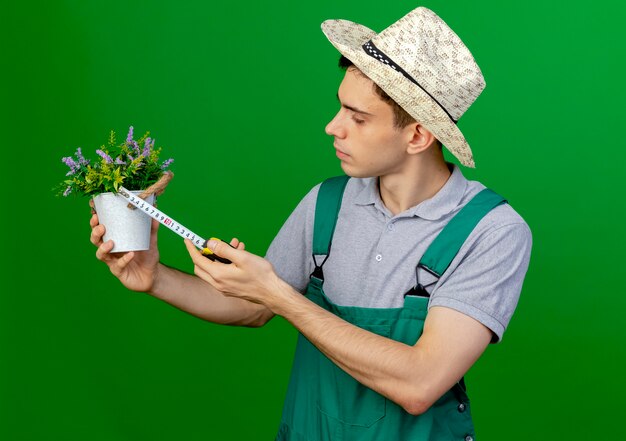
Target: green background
239, 94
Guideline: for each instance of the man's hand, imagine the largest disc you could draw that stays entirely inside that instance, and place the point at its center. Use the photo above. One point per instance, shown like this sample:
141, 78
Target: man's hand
248, 277
137, 270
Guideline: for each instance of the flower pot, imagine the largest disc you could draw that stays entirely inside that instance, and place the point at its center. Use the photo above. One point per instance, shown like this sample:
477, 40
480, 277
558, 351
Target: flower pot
129, 229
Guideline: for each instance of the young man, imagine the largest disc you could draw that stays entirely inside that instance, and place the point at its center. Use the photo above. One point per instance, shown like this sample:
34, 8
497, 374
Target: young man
426, 267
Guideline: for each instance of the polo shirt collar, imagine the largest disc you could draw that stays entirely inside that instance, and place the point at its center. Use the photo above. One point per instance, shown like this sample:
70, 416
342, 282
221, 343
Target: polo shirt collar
442, 203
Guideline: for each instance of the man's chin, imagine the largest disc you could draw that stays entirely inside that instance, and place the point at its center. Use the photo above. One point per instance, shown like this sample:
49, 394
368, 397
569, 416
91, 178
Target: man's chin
356, 173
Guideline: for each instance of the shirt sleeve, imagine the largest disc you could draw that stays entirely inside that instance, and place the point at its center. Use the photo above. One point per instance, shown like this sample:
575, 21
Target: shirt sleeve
487, 281
291, 250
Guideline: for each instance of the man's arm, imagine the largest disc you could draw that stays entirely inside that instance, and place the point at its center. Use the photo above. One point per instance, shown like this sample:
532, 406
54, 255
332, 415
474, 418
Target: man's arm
141, 271
414, 377
197, 297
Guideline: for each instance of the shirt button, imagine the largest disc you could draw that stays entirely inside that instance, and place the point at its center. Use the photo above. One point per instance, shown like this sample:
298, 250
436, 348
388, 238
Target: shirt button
461, 407
469, 438
390, 227
379, 257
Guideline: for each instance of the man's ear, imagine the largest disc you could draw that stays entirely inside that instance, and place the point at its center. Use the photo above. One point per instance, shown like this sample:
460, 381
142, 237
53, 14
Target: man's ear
419, 138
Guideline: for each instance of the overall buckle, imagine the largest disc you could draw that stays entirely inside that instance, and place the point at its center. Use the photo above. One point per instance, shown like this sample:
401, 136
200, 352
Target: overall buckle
418, 291
317, 272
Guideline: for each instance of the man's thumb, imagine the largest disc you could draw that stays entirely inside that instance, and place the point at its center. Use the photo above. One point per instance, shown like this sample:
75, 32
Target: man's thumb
221, 248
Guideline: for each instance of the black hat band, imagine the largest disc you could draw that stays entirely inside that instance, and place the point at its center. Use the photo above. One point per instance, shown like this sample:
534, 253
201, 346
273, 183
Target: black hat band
376, 53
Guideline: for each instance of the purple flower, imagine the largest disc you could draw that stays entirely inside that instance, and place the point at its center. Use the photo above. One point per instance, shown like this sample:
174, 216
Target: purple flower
69, 162
67, 191
104, 156
81, 158
146, 147
130, 158
119, 161
129, 138
166, 164
74, 167
136, 147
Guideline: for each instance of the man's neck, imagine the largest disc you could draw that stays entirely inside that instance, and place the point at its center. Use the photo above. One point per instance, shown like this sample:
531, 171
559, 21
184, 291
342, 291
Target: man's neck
399, 192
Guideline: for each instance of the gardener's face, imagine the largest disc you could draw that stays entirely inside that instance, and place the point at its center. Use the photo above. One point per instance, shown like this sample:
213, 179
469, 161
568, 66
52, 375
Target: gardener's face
366, 141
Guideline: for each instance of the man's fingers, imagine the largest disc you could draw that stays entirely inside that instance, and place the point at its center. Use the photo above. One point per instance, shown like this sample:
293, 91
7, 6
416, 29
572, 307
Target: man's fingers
234, 242
200, 261
103, 252
96, 235
118, 266
93, 221
223, 250
154, 228
204, 275
196, 255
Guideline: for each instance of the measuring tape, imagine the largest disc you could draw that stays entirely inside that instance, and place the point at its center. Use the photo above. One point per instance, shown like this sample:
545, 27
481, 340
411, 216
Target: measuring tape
184, 232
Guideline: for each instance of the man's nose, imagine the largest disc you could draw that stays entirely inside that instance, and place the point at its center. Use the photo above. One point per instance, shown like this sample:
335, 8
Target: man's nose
334, 128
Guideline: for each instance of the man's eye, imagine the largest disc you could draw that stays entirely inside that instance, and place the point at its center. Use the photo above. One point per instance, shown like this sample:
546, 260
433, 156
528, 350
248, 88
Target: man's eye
358, 121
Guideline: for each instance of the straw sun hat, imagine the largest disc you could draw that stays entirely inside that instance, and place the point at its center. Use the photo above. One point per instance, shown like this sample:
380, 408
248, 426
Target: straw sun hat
422, 65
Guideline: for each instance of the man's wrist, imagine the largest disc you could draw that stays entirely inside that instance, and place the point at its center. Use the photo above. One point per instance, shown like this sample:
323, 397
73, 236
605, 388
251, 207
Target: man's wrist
285, 300
157, 279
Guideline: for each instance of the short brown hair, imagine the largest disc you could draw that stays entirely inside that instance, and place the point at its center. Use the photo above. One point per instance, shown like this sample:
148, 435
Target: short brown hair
401, 118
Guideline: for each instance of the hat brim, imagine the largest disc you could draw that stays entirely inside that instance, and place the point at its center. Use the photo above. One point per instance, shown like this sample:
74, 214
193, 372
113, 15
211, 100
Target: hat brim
349, 37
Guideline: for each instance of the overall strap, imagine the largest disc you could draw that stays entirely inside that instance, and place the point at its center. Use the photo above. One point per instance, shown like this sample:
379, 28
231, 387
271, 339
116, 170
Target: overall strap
326, 212
446, 245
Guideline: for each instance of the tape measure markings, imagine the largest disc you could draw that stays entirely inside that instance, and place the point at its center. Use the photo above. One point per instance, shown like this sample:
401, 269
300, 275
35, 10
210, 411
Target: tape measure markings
162, 218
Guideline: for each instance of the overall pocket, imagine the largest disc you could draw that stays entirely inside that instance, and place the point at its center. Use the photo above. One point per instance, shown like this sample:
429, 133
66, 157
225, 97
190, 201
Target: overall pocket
343, 398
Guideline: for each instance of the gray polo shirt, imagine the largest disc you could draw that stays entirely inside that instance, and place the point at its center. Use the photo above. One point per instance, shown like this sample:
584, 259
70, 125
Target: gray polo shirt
374, 254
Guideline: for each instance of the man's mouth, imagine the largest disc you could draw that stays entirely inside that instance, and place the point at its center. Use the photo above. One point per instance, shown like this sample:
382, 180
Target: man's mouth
340, 153
339, 150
